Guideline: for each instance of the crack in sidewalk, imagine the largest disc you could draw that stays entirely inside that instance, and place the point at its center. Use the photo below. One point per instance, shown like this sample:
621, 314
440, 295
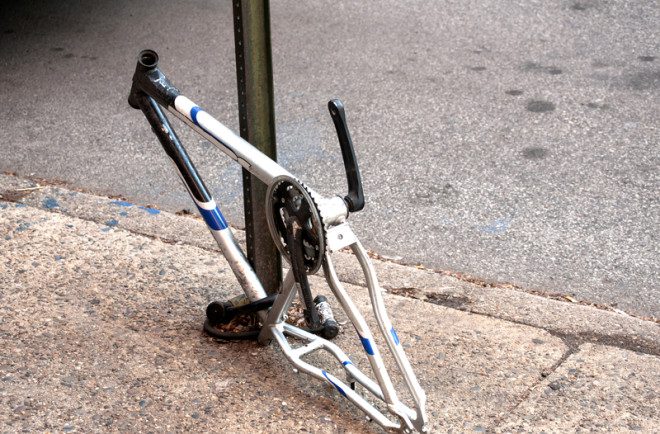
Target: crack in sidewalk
572, 347
570, 339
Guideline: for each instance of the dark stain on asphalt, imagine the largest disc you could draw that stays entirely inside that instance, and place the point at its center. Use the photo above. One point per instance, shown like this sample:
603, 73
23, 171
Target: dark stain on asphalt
534, 153
14, 196
514, 92
531, 66
449, 193
645, 80
599, 64
57, 49
579, 6
446, 195
69, 55
595, 105
647, 58
555, 385
540, 106
478, 68
8, 31
538, 68
601, 76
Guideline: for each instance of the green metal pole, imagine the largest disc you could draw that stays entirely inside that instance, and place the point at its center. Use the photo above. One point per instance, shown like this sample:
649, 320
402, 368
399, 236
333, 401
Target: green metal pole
254, 70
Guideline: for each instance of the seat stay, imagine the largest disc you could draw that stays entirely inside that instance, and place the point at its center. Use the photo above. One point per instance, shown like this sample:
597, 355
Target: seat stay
390, 335
410, 417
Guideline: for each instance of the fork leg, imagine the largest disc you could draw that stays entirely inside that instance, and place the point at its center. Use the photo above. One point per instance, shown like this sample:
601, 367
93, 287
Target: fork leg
368, 343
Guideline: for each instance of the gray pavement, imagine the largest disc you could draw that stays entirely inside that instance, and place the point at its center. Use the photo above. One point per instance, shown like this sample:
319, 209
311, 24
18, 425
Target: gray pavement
570, 396
101, 306
514, 142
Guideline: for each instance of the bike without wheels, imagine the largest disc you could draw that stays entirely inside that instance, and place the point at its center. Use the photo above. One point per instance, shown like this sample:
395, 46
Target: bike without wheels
306, 228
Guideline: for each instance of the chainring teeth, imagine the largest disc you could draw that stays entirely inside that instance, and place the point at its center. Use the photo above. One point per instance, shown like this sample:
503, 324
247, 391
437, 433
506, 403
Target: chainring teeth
314, 228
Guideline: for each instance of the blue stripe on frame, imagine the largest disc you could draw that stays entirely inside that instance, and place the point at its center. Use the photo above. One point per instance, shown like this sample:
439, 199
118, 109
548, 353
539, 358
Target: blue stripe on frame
366, 343
193, 114
347, 362
395, 336
339, 389
213, 218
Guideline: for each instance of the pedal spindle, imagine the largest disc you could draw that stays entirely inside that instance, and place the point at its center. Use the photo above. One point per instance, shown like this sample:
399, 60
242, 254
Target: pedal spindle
326, 317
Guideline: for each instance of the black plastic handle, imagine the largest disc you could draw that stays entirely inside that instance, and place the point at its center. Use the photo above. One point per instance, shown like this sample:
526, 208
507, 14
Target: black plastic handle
355, 197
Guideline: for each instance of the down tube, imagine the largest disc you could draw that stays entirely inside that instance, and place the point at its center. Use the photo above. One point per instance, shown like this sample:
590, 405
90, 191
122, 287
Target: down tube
200, 195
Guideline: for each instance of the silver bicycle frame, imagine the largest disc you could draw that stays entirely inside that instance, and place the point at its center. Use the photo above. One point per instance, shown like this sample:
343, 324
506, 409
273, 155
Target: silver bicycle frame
275, 328
150, 91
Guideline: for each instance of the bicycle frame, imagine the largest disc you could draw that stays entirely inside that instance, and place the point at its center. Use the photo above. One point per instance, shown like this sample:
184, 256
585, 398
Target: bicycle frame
150, 91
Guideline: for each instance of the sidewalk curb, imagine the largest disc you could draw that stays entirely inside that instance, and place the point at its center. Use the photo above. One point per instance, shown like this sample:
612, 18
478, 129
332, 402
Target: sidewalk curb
574, 323
125, 286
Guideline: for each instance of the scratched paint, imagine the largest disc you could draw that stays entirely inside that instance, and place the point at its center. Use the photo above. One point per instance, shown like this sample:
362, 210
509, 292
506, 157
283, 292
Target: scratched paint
496, 227
50, 203
112, 223
121, 203
152, 211
22, 226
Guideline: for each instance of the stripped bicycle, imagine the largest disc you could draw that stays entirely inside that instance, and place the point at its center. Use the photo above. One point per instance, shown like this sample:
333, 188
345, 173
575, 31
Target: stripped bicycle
306, 228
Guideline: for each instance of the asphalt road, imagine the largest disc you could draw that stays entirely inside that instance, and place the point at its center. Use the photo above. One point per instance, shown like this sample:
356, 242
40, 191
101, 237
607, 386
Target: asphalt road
512, 141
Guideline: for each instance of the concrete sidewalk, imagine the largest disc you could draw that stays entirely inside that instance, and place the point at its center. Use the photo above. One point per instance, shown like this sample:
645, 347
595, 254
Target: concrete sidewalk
102, 301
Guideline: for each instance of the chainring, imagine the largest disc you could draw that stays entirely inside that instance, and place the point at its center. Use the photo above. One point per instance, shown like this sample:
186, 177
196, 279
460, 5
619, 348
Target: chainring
287, 196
